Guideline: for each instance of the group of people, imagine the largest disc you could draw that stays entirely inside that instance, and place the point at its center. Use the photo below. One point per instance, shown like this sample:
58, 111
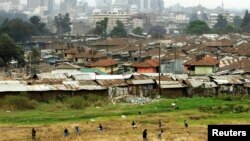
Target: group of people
144, 133
65, 132
101, 129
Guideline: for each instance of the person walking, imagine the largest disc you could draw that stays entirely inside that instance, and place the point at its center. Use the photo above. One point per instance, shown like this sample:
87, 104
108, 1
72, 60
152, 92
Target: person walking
133, 125
66, 132
185, 123
77, 130
144, 135
33, 133
160, 124
160, 134
100, 128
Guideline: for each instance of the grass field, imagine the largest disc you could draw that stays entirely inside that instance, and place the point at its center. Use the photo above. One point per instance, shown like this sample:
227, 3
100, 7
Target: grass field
199, 112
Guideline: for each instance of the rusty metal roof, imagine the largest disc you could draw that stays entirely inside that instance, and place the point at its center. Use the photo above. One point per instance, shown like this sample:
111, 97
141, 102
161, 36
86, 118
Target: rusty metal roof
110, 83
171, 84
228, 79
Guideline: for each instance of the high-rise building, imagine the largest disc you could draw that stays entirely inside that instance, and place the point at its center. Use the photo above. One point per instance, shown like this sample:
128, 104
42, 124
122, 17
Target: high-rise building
157, 5
121, 4
68, 5
32, 4
112, 16
47, 5
15, 2
103, 4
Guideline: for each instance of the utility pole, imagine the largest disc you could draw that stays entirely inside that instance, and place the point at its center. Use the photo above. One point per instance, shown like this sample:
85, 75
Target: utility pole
140, 54
159, 69
30, 62
175, 55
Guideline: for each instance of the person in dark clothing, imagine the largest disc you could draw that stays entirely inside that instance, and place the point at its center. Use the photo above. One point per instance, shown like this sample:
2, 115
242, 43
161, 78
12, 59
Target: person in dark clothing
100, 128
66, 132
160, 134
185, 124
33, 133
77, 130
144, 135
133, 125
160, 124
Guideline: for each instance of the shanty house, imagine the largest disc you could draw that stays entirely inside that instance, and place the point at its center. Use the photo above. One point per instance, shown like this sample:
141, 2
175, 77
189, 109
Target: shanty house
148, 66
108, 65
201, 65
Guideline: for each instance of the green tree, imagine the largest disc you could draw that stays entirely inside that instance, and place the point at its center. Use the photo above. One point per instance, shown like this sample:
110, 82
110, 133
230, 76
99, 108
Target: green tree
9, 50
194, 17
62, 23
138, 31
17, 29
197, 27
237, 21
246, 22
38, 27
231, 28
221, 23
119, 30
101, 27
34, 59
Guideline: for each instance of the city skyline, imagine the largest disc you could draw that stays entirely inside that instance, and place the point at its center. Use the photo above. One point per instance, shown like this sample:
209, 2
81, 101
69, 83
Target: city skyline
229, 4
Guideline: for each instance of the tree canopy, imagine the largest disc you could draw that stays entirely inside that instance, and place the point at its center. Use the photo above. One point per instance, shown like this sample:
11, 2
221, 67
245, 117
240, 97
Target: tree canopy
237, 21
246, 22
17, 29
62, 23
9, 50
197, 27
138, 31
101, 27
221, 23
119, 30
20, 30
38, 27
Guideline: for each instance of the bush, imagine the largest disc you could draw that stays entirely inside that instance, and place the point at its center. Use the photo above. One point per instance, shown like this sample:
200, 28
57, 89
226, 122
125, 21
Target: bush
76, 102
95, 100
54, 106
225, 108
18, 103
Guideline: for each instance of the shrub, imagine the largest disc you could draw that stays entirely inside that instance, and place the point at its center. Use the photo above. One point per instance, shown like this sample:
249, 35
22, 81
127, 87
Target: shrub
18, 103
76, 102
225, 108
54, 106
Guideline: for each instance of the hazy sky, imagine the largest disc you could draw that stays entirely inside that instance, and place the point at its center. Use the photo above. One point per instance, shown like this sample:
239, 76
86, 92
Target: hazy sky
207, 3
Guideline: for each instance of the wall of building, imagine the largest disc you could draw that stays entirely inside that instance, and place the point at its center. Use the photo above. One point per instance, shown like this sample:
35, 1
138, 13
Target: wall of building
173, 93
107, 70
201, 70
146, 70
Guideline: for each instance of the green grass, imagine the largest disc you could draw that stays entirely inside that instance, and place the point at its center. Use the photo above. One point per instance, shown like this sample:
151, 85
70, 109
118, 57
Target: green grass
187, 107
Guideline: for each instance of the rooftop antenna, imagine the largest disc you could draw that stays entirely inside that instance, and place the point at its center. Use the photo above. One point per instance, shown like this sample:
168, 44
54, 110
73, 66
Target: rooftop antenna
222, 6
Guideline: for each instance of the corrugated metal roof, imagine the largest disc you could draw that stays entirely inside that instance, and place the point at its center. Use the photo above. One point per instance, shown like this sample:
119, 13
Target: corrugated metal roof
228, 79
10, 82
140, 82
114, 83
83, 77
109, 77
199, 83
13, 88
171, 84
50, 76
180, 76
